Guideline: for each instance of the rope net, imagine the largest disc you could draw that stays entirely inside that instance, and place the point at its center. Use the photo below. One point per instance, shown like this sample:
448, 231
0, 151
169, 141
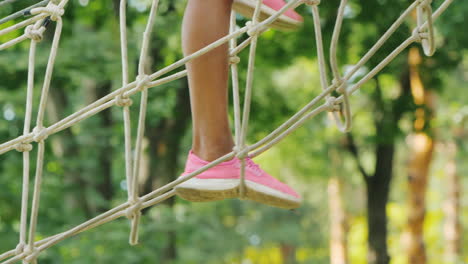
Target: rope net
28, 249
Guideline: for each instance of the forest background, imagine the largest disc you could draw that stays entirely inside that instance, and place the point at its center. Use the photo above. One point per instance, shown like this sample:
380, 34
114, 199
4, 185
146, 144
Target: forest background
390, 191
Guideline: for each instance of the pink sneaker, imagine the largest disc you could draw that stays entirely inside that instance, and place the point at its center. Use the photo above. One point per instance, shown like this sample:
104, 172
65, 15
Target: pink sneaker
222, 181
289, 20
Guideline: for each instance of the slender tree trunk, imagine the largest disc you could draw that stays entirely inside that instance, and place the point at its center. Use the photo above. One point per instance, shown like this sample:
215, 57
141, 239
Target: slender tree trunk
170, 251
421, 151
386, 117
165, 139
417, 180
288, 253
338, 225
378, 184
452, 226
378, 189
337, 214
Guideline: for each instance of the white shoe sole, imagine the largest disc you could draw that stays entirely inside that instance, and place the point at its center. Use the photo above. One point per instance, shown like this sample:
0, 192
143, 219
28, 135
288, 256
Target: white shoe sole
205, 190
247, 8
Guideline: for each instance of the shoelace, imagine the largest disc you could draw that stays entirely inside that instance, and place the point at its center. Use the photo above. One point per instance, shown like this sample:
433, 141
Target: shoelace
254, 167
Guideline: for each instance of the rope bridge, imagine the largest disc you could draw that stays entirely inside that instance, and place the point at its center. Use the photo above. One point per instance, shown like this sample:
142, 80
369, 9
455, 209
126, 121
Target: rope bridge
28, 250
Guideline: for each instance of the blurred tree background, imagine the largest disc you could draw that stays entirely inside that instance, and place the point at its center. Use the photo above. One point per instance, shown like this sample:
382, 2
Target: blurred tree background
391, 191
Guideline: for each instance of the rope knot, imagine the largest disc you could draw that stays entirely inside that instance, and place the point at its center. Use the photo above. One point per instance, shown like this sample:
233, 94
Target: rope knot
234, 60
424, 33
40, 134
241, 152
312, 2
417, 36
254, 29
142, 81
20, 248
23, 147
421, 34
134, 209
54, 11
123, 101
33, 33
331, 104
31, 253
341, 86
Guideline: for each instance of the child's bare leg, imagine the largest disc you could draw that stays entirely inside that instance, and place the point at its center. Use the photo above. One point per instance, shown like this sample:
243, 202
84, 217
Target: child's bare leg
206, 21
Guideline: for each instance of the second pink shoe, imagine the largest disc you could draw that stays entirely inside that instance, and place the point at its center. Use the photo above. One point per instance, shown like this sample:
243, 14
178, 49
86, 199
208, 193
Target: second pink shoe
222, 181
289, 20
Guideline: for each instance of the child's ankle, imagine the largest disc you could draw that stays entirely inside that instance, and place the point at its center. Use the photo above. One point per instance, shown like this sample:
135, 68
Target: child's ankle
211, 153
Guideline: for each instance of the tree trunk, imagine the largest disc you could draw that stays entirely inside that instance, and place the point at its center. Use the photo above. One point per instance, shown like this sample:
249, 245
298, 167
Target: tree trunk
378, 189
170, 251
165, 139
421, 150
386, 117
337, 213
452, 226
338, 225
288, 253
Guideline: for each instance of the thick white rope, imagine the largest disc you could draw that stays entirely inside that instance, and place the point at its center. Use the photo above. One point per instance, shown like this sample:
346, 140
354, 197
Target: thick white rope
34, 32
240, 148
55, 12
22, 24
29, 253
233, 61
134, 212
346, 125
424, 14
22, 12
126, 102
26, 147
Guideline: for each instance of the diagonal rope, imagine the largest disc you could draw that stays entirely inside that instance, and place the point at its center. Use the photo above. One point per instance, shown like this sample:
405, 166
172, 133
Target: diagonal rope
337, 79
6, 2
134, 213
40, 133
26, 147
22, 12
22, 24
126, 102
240, 148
